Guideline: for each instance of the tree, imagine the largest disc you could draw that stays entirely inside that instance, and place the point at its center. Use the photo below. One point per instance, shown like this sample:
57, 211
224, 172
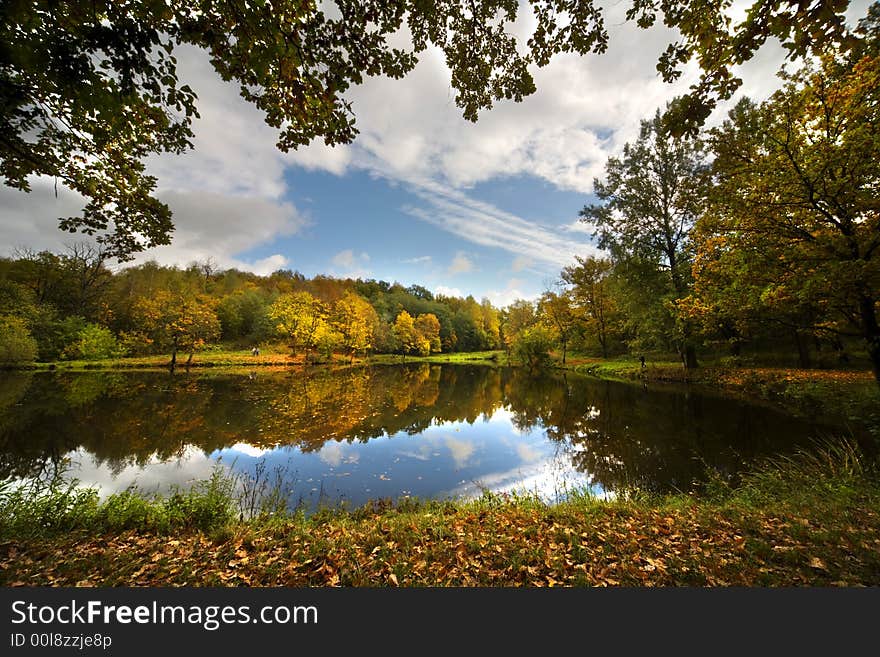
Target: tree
651, 197
94, 343
177, 323
428, 328
560, 316
300, 317
518, 316
355, 320
89, 88
591, 292
532, 347
408, 338
797, 190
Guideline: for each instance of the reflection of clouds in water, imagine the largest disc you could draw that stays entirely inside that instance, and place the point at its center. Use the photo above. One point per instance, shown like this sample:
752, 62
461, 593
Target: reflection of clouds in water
331, 453
550, 479
247, 450
527, 453
461, 450
423, 454
192, 466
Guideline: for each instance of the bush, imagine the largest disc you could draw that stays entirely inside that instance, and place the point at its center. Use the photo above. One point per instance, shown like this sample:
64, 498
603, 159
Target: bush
16, 343
95, 343
532, 348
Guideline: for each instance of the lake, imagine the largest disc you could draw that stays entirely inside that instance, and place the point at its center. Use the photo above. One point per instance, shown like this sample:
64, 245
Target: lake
351, 435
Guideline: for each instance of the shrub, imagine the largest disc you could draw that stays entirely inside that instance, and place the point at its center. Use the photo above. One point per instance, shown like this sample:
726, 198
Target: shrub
95, 343
16, 343
532, 347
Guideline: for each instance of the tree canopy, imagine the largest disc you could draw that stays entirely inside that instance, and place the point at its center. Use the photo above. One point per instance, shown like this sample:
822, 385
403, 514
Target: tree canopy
89, 88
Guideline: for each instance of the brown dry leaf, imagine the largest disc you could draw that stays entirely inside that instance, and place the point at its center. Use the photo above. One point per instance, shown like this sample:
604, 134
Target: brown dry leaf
393, 579
816, 562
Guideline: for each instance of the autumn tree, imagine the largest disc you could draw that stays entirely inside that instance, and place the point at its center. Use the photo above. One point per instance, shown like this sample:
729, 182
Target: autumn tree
797, 191
299, 317
355, 320
428, 328
408, 339
560, 316
650, 198
593, 294
176, 323
517, 317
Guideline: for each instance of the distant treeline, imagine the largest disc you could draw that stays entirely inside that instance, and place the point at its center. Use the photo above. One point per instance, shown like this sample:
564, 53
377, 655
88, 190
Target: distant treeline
71, 305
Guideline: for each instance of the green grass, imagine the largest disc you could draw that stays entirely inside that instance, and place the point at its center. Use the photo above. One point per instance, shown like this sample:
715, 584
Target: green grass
810, 519
492, 358
272, 356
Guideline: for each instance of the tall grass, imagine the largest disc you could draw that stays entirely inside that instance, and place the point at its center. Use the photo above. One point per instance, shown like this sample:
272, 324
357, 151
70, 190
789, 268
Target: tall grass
829, 474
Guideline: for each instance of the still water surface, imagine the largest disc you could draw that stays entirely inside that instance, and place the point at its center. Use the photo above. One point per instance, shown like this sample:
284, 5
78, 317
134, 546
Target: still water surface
358, 434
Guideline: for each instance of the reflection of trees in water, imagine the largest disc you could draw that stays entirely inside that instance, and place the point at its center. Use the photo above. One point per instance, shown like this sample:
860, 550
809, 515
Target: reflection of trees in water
622, 435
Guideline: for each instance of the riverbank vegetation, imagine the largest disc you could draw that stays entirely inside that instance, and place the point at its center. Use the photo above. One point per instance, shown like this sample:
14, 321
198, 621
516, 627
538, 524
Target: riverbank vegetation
810, 519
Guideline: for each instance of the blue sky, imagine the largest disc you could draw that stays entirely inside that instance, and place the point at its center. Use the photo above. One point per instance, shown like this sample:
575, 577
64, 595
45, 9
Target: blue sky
362, 225
421, 196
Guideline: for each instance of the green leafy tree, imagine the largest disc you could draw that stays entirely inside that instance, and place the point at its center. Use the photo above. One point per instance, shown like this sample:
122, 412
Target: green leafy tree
243, 315
517, 317
95, 343
797, 191
532, 348
651, 197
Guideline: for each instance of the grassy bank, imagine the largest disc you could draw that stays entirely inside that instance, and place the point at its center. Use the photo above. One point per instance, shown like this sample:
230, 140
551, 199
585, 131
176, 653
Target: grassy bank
846, 394
809, 520
272, 356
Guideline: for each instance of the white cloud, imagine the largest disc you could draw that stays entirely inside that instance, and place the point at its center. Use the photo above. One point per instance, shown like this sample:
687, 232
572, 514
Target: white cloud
448, 291
220, 227
484, 224
266, 266
512, 292
420, 260
350, 264
344, 259
460, 264
30, 220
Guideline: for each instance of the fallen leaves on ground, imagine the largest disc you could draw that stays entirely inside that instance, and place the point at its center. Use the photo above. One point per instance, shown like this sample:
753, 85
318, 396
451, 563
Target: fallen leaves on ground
599, 545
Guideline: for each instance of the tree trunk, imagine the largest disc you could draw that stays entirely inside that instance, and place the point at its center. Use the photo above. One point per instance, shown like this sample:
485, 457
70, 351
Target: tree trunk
173, 358
189, 360
690, 358
872, 333
803, 350
564, 349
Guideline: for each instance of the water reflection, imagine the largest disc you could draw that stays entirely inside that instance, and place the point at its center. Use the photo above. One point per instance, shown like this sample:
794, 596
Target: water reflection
357, 434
